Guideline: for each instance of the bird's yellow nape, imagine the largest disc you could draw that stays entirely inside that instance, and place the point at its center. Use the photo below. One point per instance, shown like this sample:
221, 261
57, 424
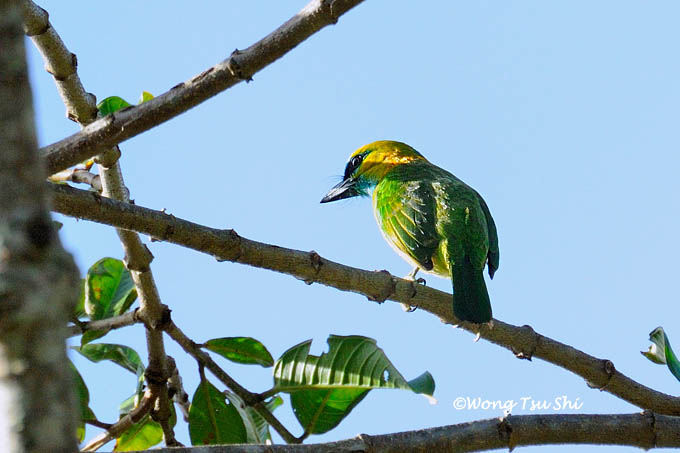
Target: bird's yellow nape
381, 156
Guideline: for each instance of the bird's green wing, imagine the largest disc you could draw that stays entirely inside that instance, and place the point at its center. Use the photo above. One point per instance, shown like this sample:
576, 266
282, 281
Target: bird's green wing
494, 253
462, 221
406, 212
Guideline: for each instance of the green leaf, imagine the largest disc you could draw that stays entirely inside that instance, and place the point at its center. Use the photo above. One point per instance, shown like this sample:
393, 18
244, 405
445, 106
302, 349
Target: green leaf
261, 425
660, 351
423, 384
257, 428
109, 291
83, 396
212, 421
141, 436
116, 353
145, 96
319, 411
326, 388
112, 104
244, 350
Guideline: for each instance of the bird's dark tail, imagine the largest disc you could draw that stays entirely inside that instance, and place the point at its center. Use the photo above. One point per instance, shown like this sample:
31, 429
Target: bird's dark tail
470, 296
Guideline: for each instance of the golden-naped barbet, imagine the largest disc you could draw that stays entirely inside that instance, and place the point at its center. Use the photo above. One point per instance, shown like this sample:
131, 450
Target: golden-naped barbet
431, 218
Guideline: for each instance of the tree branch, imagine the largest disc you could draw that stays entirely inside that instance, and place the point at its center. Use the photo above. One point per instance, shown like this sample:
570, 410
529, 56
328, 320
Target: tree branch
62, 64
226, 245
241, 65
645, 430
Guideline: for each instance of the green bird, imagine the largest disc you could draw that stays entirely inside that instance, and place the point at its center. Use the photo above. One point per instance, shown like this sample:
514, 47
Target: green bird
431, 218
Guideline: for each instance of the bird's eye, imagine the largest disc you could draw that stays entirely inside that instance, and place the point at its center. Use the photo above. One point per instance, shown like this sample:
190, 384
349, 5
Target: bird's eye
356, 161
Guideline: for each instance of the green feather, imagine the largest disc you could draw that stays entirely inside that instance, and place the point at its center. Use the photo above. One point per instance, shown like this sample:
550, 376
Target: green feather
470, 296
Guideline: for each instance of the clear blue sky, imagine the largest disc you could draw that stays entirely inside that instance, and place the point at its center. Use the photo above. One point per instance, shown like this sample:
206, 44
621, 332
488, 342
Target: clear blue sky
563, 115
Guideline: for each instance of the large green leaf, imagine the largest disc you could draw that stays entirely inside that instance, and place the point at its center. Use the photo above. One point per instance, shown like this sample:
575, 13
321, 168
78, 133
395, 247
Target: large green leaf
116, 353
244, 350
109, 291
326, 388
660, 351
83, 396
212, 421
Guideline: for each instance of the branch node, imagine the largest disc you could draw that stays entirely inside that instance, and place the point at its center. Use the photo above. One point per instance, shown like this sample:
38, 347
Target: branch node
388, 288
367, 440
154, 377
651, 421
140, 261
46, 26
231, 236
316, 262
609, 368
527, 353
108, 158
235, 68
505, 432
334, 17
164, 319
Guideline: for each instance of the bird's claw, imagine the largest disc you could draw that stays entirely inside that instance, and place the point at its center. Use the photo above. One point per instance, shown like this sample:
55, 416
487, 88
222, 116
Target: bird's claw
421, 281
409, 308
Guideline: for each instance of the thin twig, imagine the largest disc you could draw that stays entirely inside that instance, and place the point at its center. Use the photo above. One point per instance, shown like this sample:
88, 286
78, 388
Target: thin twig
240, 66
99, 424
226, 245
126, 319
118, 428
251, 399
79, 176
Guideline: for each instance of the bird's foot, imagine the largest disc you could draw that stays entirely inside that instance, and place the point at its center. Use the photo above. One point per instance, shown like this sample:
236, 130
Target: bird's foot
412, 275
414, 281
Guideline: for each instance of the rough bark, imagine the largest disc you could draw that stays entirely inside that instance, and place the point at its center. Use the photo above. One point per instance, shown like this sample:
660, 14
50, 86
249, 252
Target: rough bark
38, 279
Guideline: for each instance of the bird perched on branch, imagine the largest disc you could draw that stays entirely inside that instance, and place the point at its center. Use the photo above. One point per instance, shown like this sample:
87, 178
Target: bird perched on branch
431, 218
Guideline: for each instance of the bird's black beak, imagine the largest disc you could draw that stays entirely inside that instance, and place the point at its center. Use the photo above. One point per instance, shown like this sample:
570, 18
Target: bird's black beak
344, 189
